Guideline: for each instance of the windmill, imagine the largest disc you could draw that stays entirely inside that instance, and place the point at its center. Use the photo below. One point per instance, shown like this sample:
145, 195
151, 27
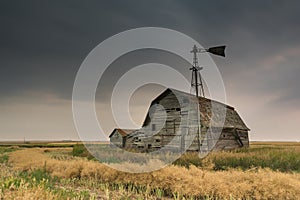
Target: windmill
197, 82
196, 75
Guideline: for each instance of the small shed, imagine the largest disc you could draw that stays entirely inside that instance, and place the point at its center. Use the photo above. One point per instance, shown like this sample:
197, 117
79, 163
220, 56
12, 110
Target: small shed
118, 136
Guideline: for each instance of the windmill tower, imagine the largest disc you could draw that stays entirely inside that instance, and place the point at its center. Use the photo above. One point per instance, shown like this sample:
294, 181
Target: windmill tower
197, 82
196, 75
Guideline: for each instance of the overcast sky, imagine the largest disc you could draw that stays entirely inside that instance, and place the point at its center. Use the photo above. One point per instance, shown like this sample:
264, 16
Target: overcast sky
43, 43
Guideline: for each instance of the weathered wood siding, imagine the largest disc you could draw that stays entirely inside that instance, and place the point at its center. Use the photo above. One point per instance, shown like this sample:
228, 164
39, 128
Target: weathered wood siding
228, 140
155, 134
117, 139
174, 122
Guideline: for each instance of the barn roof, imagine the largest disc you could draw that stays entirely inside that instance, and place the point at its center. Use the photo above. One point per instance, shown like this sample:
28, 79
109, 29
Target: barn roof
232, 120
123, 132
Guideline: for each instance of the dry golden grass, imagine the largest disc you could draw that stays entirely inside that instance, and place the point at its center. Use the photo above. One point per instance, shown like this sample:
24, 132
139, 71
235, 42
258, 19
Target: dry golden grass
257, 184
21, 190
38, 185
27, 193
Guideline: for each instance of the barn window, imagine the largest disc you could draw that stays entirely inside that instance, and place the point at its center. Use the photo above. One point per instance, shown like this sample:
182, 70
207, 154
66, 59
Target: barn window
153, 127
184, 112
178, 109
157, 140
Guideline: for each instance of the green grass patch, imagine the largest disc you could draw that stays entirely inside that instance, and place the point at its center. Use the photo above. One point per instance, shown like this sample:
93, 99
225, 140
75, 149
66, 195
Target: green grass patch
39, 145
276, 159
79, 150
4, 158
4, 151
284, 159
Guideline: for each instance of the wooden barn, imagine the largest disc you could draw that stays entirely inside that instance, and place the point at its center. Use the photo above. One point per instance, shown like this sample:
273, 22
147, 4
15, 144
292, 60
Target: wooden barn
181, 121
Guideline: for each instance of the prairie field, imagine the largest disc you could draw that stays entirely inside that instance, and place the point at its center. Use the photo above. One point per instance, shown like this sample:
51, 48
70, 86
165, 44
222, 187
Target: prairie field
266, 170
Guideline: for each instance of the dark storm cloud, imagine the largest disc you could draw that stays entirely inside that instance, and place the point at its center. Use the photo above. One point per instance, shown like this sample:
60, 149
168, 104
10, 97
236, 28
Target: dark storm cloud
44, 42
132, 59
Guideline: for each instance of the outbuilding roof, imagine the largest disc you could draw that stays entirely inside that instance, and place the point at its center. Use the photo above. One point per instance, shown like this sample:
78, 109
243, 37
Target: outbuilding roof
123, 132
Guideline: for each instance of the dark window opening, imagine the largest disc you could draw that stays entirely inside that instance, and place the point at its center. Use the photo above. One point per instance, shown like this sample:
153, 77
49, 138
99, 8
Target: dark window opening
185, 112
153, 127
178, 109
157, 140
149, 146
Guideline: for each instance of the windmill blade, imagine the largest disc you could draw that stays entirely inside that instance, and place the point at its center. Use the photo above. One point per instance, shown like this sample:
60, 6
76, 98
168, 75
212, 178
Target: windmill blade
219, 50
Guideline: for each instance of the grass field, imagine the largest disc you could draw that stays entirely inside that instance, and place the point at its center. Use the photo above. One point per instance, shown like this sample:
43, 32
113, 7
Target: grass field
68, 171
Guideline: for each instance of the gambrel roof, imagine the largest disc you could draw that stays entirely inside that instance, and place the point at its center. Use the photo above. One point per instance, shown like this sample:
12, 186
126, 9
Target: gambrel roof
211, 111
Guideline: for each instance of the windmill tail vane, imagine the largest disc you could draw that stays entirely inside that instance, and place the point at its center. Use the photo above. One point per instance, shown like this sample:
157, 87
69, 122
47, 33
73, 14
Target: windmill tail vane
219, 50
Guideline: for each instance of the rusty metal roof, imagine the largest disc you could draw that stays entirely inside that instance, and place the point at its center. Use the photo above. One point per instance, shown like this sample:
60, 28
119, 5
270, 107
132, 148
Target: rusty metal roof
123, 132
